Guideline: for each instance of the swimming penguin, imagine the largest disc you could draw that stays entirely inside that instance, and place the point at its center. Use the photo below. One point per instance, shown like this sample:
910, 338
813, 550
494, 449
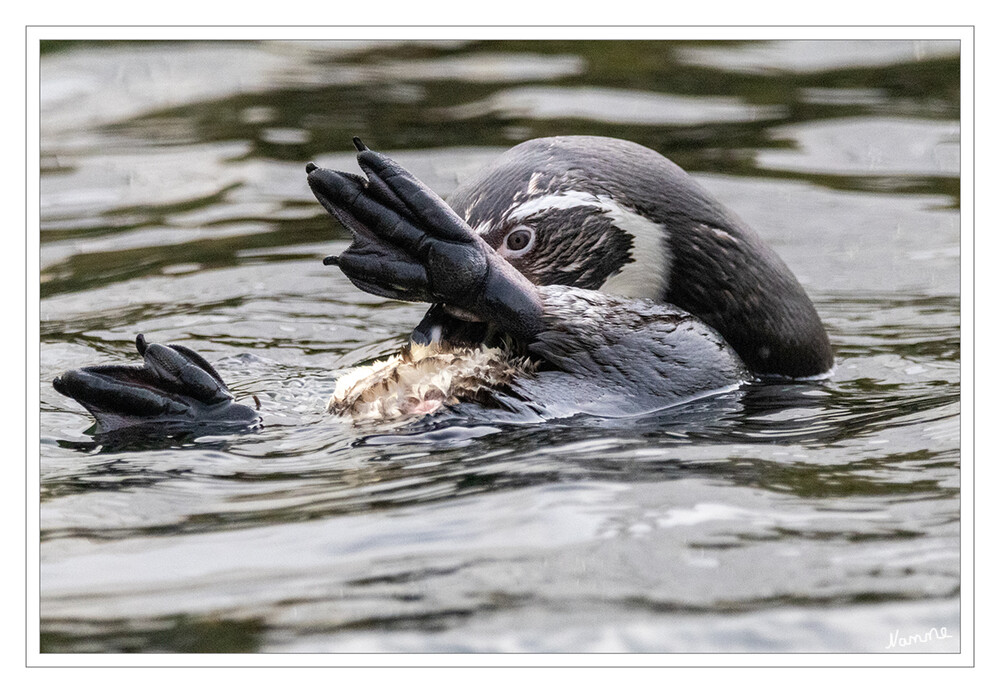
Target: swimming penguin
575, 274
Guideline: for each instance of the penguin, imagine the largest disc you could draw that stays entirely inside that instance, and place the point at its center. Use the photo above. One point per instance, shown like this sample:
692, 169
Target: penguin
573, 275
642, 291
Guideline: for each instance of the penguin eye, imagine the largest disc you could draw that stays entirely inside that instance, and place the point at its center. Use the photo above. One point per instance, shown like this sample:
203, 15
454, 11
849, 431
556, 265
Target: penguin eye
519, 239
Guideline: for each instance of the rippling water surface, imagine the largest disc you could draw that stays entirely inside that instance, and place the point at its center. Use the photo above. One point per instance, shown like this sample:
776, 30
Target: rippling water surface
818, 516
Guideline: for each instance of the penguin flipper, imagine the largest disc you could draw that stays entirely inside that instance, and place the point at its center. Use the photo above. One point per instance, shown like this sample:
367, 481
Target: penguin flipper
175, 388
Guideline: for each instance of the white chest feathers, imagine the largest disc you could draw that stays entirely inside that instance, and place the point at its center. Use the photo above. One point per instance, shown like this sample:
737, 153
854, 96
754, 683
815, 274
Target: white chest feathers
421, 379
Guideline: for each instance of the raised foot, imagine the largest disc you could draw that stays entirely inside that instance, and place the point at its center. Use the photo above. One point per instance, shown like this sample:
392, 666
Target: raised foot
408, 244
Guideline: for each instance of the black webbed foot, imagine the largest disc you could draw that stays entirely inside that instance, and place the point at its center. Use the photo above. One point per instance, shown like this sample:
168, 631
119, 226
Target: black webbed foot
408, 244
174, 388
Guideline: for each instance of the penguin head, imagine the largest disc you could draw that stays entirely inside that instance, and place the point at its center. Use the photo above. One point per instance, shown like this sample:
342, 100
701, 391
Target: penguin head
561, 213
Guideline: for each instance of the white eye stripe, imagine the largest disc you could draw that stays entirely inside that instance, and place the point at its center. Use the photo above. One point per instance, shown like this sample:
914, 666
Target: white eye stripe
648, 274
563, 200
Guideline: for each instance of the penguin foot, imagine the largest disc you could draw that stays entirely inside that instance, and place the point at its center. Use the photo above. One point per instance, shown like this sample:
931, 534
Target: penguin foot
408, 244
174, 388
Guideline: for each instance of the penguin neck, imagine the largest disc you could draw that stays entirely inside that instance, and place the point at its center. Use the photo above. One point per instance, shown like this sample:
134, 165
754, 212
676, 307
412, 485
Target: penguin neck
724, 274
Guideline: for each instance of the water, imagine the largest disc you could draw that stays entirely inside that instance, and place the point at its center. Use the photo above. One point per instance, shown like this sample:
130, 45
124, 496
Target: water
819, 517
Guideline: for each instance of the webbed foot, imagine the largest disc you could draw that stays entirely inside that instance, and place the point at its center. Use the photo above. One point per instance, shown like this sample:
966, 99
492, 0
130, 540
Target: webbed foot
408, 244
175, 387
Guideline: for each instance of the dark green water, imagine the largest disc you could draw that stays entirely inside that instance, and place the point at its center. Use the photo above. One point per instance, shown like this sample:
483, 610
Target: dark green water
803, 517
